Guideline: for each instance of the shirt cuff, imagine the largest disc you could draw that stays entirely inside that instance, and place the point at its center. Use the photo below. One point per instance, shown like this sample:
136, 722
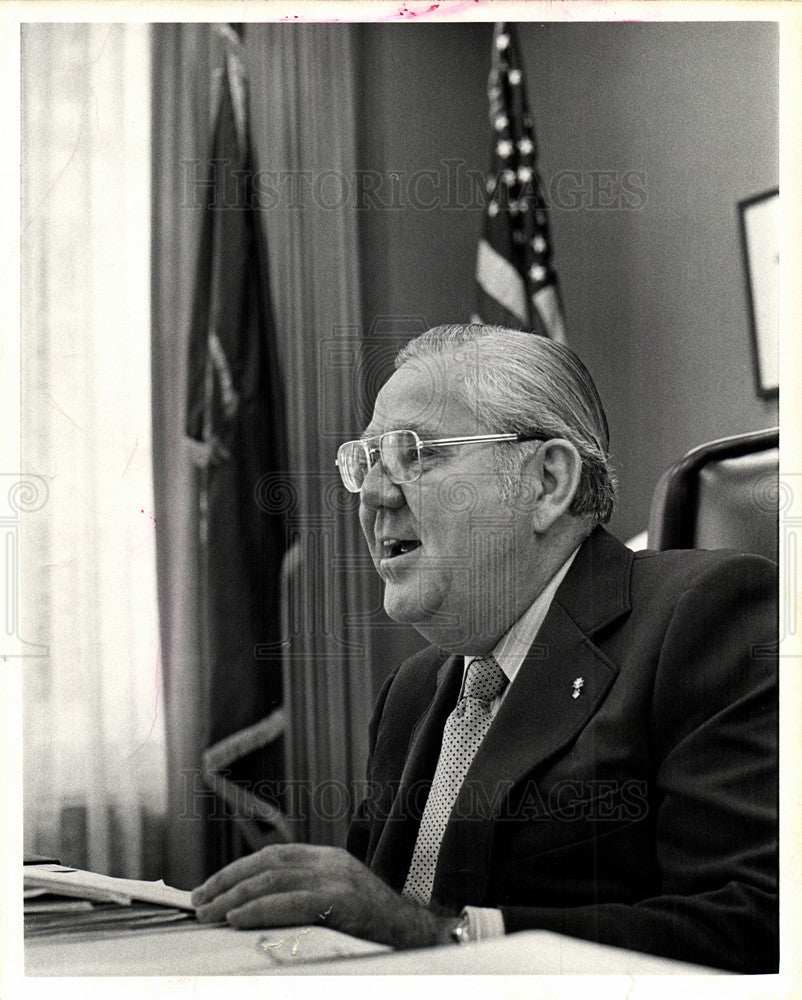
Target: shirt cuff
483, 922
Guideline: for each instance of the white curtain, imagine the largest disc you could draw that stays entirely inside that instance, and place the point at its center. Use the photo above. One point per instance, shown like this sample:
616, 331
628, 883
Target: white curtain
94, 781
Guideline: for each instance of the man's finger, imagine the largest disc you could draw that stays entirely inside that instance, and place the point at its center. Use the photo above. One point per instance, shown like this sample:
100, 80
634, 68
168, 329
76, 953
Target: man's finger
274, 856
229, 876
263, 884
285, 909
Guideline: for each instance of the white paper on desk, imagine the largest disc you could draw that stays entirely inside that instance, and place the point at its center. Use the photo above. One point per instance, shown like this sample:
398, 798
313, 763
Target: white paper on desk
74, 882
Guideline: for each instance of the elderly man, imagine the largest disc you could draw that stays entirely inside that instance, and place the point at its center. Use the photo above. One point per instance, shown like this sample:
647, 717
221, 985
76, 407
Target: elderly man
589, 744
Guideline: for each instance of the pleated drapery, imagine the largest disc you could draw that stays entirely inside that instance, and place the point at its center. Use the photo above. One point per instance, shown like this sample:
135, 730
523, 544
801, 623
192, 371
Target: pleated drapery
185, 57
303, 114
302, 119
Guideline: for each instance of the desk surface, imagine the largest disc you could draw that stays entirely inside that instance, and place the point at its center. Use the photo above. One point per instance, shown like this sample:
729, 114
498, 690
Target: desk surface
222, 951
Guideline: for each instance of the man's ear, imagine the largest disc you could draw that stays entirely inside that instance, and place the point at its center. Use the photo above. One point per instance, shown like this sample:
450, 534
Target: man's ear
556, 468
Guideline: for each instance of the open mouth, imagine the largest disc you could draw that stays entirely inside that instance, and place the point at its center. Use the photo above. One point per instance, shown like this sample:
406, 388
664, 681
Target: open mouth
394, 547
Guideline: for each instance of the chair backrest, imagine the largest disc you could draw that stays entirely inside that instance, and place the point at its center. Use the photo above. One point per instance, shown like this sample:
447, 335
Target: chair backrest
721, 495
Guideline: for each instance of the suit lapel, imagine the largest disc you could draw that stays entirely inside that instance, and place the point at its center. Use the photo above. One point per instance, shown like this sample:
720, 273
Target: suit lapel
540, 715
397, 840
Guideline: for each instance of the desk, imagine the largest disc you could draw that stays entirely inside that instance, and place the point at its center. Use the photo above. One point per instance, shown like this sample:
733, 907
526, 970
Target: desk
313, 951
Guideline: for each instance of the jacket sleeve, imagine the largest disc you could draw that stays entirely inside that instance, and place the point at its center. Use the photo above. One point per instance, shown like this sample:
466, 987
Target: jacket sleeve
714, 735
359, 828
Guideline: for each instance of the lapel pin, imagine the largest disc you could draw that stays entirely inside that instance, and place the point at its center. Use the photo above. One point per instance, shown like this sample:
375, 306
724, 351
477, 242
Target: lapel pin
579, 683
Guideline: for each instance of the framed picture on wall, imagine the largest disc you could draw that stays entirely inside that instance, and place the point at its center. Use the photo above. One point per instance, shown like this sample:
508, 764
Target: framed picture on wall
759, 220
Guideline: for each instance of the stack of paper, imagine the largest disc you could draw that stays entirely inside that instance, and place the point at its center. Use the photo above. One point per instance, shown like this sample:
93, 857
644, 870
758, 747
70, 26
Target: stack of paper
61, 900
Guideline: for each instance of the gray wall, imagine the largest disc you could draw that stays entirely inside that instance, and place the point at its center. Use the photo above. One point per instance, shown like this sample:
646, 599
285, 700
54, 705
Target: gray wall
654, 290
655, 296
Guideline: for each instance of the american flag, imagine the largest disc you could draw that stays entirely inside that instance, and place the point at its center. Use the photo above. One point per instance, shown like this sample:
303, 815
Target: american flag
516, 284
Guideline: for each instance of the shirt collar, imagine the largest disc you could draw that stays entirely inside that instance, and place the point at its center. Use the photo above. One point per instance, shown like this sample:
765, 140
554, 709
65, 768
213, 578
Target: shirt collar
513, 646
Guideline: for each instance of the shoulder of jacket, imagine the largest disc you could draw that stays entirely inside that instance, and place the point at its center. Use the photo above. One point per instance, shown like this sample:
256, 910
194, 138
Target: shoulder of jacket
410, 687
421, 666
686, 568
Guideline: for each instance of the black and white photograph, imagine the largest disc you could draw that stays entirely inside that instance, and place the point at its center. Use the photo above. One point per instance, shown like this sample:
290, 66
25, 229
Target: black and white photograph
283, 698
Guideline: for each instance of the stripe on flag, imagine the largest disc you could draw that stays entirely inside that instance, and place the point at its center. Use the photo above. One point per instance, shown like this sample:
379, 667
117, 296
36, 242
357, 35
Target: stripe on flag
547, 304
499, 279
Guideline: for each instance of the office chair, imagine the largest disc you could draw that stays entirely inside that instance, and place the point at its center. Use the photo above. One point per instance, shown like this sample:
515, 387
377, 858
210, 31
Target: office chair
721, 495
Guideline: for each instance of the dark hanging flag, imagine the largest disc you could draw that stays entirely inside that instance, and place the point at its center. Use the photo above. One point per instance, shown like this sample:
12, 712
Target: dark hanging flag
236, 436
516, 284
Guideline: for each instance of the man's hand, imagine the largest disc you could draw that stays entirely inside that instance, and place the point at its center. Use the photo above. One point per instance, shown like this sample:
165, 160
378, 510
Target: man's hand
290, 884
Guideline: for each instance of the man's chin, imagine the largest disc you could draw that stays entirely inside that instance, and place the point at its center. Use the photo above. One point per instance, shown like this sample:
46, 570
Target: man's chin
404, 613
438, 627
445, 629
407, 606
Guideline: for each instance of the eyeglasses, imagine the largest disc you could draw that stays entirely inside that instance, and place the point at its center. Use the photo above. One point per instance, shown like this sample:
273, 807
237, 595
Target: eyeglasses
402, 453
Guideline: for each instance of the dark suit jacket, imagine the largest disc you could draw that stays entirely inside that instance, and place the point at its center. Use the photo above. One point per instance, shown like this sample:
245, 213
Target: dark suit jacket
642, 813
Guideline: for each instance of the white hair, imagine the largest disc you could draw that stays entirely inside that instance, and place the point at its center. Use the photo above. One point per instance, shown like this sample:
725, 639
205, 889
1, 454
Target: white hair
522, 383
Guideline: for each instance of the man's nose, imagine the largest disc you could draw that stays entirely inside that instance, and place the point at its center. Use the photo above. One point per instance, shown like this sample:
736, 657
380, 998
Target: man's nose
378, 490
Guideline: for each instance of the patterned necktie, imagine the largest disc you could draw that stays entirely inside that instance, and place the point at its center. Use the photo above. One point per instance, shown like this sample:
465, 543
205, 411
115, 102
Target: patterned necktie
463, 732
